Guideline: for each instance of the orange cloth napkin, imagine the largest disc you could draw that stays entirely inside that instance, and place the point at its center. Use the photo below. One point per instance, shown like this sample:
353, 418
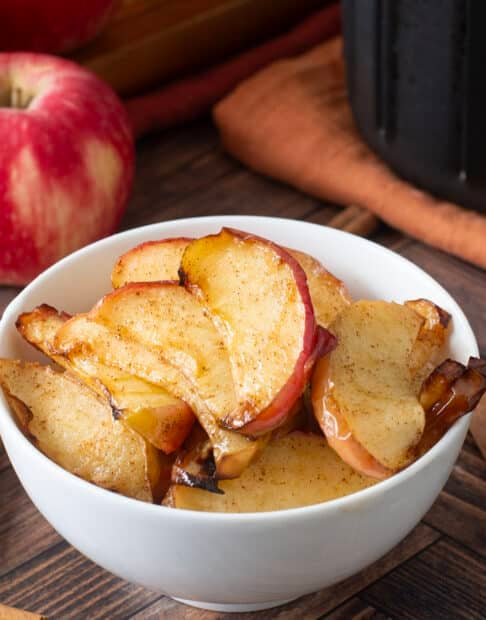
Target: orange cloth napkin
292, 121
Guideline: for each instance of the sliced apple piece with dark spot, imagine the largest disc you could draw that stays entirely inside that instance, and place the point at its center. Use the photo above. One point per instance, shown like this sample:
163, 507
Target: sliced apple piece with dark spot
160, 333
296, 470
74, 427
150, 262
164, 420
258, 297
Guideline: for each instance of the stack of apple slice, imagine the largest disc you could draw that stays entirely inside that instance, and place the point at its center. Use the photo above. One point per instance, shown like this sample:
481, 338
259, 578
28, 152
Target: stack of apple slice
237, 348
204, 350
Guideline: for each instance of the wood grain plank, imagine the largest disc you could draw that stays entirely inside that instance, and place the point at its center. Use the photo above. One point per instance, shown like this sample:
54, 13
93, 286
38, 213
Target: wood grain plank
355, 609
461, 521
473, 463
444, 581
61, 583
232, 192
470, 446
313, 605
159, 190
159, 156
467, 487
23, 531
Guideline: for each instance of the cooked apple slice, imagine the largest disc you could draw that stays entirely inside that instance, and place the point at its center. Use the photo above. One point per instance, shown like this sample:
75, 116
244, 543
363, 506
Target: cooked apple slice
363, 393
195, 466
165, 421
39, 328
272, 418
432, 336
160, 260
449, 392
74, 427
160, 333
258, 297
296, 470
149, 262
329, 294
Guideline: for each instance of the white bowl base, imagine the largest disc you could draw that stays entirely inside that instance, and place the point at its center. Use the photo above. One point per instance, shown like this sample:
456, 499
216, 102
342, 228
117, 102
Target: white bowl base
233, 608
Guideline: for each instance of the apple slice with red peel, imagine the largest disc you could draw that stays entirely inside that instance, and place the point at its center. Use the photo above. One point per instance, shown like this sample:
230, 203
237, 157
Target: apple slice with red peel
329, 294
273, 417
160, 333
160, 260
257, 295
150, 262
363, 394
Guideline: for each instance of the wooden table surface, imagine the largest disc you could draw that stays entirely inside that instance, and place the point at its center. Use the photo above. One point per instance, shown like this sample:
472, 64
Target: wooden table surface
438, 571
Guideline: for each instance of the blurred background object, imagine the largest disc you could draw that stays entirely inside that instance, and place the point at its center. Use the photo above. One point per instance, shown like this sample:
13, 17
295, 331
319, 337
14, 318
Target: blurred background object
51, 26
417, 90
151, 41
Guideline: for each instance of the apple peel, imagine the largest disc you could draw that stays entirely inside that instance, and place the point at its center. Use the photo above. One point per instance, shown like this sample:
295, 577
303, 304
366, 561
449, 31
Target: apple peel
152, 261
158, 332
258, 297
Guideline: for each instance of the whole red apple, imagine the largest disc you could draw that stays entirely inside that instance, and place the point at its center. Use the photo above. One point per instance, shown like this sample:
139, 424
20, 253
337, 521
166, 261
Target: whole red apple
52, 26
66, 162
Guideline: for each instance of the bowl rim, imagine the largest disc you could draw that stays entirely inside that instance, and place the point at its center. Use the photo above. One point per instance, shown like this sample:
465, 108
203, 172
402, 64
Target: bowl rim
9, 426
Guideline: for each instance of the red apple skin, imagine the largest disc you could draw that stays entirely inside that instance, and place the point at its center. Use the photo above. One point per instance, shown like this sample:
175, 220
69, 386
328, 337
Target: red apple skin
66, 163
277, 411
51, 26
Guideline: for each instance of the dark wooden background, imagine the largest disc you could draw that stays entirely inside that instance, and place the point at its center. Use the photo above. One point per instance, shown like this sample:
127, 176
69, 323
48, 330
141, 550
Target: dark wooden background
438, 571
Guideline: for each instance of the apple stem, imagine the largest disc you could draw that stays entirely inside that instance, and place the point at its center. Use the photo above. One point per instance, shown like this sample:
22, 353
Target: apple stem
16, 98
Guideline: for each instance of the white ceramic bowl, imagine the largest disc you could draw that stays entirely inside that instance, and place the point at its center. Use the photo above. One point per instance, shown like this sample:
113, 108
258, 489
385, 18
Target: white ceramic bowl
233, 562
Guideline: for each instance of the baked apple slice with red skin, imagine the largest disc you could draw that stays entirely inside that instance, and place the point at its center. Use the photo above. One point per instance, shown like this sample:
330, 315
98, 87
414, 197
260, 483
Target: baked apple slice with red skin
417, 331
257, 296
154, 261
278, 414
159, 332
151, 261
